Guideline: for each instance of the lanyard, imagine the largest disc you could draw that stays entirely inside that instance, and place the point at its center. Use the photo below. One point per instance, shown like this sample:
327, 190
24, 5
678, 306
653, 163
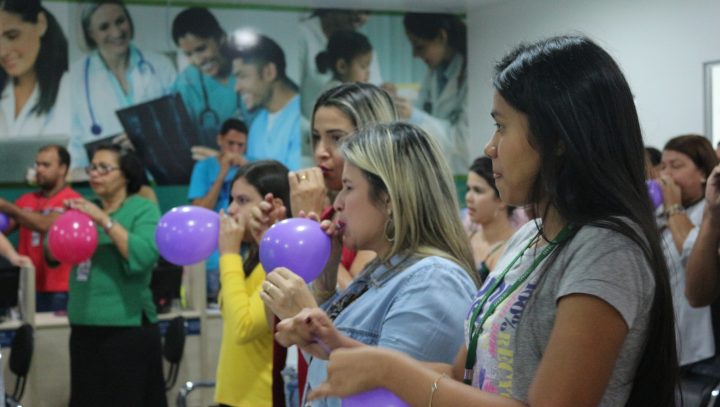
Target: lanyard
475, 328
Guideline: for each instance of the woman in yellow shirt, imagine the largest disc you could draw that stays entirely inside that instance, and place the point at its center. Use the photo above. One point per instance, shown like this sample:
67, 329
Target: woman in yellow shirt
244, 374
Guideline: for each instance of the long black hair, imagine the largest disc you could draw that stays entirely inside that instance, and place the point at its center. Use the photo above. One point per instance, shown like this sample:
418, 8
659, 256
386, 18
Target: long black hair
266, 176
52, 60
583, 124
429, 26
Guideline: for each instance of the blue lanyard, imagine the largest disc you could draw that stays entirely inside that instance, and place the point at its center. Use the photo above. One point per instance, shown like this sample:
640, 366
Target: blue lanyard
474, 328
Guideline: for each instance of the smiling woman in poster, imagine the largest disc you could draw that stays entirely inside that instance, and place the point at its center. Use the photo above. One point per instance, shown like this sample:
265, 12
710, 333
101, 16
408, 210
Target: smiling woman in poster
113, 75
33, 57
440, 40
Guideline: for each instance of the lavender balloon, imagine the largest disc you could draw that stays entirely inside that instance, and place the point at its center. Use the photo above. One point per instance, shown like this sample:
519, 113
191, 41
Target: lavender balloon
187, 234
4, 222
376, 398
297, 244
655, 193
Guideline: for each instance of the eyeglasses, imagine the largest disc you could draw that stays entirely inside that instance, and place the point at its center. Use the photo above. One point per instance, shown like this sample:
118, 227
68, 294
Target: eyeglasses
101, 169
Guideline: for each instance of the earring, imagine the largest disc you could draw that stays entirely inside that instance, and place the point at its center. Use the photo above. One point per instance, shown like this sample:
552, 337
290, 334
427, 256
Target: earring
389, 230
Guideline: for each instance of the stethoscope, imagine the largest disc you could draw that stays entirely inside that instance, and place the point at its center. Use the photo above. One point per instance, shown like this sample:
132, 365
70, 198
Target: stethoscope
207, 111
143, 66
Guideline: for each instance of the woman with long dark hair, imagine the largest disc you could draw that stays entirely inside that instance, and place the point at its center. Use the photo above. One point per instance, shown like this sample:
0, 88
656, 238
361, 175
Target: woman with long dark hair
578, 311
34, 61
244, 374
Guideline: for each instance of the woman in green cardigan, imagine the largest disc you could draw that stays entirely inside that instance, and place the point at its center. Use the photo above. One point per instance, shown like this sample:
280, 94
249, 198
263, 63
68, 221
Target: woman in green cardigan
115, 347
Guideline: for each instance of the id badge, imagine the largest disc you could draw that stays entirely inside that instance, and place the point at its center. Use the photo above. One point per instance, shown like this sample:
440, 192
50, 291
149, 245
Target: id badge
83, 271
35, 239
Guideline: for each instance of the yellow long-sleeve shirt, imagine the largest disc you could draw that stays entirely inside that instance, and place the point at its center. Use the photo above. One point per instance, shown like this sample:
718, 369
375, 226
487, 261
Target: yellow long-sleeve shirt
244, 373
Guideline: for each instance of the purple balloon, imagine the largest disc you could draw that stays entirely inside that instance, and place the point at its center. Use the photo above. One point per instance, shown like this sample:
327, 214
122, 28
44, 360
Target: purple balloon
187, 234
655, 192
297, 244
4, 222
376, 398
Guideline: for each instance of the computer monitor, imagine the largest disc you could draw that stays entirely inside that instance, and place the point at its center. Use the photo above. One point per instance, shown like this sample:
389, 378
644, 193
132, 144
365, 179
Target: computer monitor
165, 285
162, 133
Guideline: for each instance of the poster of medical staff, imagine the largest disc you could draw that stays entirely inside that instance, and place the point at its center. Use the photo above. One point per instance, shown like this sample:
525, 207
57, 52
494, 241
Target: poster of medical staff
170, 81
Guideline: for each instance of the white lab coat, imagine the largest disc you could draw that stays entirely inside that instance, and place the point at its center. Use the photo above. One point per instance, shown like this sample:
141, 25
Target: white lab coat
150, 75
312, 82
443, 114
54, 123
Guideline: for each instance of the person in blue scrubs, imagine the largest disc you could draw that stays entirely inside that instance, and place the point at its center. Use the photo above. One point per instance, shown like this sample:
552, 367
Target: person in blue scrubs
259, 67
115, 74
211, 181
207, 85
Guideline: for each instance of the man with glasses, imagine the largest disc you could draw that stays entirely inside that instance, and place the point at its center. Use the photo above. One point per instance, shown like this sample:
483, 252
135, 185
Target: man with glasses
34, 214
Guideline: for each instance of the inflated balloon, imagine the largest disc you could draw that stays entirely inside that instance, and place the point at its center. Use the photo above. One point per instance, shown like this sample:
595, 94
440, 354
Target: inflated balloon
655, 192
72, 237
376, 398
187, 234
4, 222
297, 244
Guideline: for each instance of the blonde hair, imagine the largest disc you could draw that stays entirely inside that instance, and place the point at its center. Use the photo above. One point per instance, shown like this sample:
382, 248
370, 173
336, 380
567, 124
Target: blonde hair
405, 162
364, 104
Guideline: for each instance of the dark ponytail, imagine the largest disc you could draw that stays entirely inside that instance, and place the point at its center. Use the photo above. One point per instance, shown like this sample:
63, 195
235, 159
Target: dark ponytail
345, 45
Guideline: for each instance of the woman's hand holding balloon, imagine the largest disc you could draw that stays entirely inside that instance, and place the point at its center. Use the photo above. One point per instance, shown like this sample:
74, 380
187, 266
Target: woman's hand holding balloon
264, 215
307, 191
231, 234
286, 293
311, 330
352, 371
88, 208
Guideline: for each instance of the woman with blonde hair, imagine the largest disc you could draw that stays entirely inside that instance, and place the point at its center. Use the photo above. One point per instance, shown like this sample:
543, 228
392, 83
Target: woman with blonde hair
423, 271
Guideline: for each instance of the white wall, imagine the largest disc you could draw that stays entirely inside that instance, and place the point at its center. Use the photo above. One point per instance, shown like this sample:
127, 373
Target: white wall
661, 46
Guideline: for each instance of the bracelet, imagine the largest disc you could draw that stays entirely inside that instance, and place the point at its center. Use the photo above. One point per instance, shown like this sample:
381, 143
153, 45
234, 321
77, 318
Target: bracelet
674, 209
434, 388
110, 223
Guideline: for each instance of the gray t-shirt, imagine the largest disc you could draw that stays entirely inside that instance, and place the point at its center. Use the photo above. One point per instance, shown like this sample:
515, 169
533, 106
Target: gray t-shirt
598, 262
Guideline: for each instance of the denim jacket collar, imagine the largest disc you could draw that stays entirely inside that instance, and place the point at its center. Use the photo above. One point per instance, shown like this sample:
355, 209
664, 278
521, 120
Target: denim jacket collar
378, 273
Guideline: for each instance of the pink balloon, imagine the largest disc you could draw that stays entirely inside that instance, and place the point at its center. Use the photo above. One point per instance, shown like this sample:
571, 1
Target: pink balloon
377, 398
297, 244
72, 237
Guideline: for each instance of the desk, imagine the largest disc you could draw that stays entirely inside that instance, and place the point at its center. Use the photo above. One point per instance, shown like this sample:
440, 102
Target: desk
48, 383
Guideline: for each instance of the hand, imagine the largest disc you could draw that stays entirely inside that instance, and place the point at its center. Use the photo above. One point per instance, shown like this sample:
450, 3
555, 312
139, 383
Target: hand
231, 234
19, 261
354, 370
671, 191
389, 88
89, 208
286, 294
228, 160
403, 106
264, 215
307, 191
312, 331
202, 152
712, 195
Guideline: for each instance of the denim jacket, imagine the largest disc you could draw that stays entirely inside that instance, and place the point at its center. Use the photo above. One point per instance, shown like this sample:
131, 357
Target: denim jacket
416, 306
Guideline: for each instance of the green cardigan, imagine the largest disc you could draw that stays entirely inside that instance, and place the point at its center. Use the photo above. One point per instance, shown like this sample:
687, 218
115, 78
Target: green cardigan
116, 292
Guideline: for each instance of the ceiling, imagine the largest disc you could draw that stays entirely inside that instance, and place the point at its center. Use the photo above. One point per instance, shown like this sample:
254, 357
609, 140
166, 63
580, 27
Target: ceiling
448, 6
